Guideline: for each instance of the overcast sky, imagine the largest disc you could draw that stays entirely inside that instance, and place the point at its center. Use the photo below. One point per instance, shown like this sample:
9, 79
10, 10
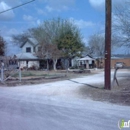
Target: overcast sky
89, 15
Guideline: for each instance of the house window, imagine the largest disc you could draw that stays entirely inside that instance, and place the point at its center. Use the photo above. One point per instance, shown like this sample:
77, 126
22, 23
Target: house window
28, 49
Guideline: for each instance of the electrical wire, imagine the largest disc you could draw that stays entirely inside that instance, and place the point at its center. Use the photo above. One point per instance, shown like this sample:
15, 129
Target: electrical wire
16, 6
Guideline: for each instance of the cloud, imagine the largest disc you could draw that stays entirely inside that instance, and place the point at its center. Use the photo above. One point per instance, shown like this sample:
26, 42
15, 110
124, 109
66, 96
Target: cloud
28, 18
13, 2
7, 32
31, 21
85, 40
12, 48
40, 11
7, 35
100, 4
49, 9
58, 5
38, 22
82, 23
6, 15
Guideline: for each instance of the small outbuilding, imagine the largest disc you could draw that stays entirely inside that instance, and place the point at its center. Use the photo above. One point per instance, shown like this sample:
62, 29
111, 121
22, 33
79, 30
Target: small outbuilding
86, 62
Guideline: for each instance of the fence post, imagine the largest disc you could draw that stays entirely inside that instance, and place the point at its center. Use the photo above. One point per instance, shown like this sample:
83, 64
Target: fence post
19, 74
115, 78
2, 74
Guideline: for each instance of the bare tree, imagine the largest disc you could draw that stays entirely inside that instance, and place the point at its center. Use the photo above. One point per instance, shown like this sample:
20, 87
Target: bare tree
96, 45
55, 54
121, 24
49, 51
2, 46
21, 38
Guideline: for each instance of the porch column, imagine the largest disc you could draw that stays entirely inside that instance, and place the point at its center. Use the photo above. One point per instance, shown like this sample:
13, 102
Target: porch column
27, 64
87, 64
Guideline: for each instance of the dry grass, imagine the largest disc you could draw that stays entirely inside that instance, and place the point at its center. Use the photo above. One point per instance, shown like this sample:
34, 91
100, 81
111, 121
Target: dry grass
38, 77
117, 95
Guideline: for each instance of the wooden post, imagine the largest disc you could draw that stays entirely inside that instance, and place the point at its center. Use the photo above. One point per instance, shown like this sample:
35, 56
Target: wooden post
19, 72
20, 75
115, 78
108, 46
2, 74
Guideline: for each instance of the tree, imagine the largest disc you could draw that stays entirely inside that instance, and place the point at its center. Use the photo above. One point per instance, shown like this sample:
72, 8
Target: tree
49, 51
46, 35
21, 38
55, 53
121, 25
61, 35
70, 41
96, 45
2, 46
57, 38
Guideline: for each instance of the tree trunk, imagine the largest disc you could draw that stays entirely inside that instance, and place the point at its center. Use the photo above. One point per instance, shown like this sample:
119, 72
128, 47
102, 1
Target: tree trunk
54, 64
47, 65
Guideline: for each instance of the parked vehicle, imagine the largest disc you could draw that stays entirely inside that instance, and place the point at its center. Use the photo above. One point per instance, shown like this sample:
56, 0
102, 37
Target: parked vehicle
119, 64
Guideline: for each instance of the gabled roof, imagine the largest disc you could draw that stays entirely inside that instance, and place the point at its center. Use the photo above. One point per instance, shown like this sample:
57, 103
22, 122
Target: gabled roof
32, 41
86, 58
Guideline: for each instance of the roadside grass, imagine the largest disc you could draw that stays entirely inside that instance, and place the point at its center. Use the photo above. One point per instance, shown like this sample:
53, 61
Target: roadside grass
59, 73
117, 95
28, 74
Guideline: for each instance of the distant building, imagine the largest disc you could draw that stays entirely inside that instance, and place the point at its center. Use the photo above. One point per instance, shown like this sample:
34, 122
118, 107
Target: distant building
124, 59
86, 62
114, 59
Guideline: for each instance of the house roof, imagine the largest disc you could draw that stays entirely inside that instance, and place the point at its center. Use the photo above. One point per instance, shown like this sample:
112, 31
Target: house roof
32, 41
86, 58
26, 56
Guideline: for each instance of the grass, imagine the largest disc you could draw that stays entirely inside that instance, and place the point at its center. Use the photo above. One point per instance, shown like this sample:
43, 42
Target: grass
47, 74
27, 74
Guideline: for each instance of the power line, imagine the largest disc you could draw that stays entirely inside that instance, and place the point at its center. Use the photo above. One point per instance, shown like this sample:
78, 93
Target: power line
16, 6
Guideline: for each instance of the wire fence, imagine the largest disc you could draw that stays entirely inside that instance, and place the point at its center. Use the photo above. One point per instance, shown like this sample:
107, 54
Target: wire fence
8, 67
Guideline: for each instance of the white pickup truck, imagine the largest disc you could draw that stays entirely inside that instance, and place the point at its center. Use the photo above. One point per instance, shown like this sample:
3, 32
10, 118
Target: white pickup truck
119, 64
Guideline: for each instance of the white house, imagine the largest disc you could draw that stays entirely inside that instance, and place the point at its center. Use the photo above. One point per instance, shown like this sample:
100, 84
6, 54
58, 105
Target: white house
87, 62
28, 56
30, 46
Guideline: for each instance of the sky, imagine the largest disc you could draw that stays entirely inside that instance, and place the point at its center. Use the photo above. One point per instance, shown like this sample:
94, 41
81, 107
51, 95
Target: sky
88, 15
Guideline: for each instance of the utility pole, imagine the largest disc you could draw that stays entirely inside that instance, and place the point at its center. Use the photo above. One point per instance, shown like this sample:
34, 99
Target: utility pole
108, 7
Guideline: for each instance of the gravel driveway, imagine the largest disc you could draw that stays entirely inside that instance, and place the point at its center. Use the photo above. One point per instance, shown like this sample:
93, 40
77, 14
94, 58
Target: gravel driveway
54, 106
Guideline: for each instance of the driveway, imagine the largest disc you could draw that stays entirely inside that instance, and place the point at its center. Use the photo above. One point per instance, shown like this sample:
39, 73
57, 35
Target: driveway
54, 106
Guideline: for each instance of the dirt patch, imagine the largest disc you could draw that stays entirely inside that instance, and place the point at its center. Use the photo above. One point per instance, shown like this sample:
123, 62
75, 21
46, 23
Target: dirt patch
117, 95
